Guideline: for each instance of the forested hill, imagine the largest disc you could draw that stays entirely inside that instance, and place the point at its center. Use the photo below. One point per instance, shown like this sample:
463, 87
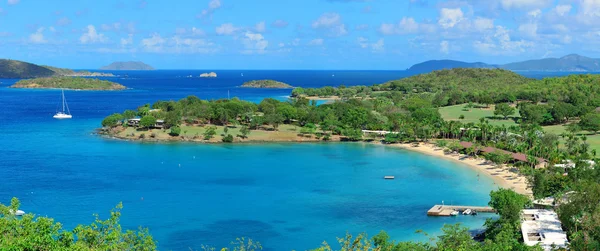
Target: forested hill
461, 79
434, 65
19, 69
453, 86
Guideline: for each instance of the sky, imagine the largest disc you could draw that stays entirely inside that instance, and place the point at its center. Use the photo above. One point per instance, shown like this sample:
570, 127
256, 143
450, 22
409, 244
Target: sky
294, 34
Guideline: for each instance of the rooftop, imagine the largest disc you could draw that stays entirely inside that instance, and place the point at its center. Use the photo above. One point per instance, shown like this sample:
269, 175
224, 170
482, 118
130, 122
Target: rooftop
541, 226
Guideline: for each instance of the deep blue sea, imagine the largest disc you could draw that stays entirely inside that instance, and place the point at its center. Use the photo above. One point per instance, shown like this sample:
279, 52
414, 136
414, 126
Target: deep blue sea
286, 196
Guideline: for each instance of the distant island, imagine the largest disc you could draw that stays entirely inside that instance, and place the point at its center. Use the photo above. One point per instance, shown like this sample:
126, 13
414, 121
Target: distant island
569, 63
267, 83
128, 66
18, 69
208, 75
72, 83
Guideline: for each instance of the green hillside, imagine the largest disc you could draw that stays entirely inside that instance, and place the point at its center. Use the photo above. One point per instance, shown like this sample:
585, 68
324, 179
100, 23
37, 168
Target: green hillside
19, 69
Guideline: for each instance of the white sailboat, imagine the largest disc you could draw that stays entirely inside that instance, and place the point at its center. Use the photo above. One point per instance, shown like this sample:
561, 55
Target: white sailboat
64, 113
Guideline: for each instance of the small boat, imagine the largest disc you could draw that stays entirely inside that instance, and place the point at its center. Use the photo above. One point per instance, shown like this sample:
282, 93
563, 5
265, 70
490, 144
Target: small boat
467, 212
64, 113
18, 213
389, 177
473, 212
454, 213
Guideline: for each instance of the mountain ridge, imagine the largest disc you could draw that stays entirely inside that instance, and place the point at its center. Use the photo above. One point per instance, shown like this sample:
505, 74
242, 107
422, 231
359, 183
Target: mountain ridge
570, 62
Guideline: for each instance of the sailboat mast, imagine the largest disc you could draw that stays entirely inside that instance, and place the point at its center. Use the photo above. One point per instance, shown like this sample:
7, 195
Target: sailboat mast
63, 99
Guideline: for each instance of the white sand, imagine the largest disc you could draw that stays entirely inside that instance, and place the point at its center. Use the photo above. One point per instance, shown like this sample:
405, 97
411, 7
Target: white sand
502, 176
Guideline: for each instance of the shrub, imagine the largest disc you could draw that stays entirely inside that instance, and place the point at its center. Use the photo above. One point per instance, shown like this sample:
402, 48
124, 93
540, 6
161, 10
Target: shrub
112, 120
228, 138
175, 131
142, 136
461, 116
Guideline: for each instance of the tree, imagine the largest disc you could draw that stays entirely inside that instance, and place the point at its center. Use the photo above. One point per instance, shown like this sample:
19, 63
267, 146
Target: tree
175, 131
504, 109
210, 132
30, 232
147, 121
244, 131
228, 138
129, 114
112, 120
590, 122
352, 134
456, 237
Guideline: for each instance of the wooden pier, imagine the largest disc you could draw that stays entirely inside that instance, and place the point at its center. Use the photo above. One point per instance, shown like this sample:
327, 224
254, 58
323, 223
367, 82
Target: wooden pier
445, 210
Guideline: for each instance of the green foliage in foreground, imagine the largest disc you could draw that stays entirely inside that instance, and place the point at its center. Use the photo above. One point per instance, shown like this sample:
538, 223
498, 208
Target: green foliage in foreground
68, 83
40, 233
31, 232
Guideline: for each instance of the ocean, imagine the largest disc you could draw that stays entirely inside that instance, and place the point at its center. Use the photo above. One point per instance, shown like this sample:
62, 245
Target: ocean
286, 196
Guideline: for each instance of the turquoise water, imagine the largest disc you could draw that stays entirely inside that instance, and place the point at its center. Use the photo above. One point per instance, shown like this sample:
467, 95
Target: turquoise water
287, 196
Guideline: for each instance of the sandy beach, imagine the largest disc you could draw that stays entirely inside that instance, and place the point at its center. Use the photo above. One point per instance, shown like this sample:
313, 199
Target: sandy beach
501, 175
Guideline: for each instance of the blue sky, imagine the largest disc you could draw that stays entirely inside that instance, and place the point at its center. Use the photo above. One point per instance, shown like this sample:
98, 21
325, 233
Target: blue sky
294, 34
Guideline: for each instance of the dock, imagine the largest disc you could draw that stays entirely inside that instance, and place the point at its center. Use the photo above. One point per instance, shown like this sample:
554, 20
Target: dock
445, 210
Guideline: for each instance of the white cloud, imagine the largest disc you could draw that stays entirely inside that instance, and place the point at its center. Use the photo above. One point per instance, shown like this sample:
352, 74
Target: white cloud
226, 29
378, 46
63, 21
11, 2
445, 47
281, 45
92, 36
407, 25
317, 41
260, 27
38, 36
450, 17
500, 43
332, 23
254, 43
280, 23
213, 5
190, 32
528, 30
127, 41
589, 12
562, 9
482, 24
154, 43
361, 27
524, 4
177, 44
535, 13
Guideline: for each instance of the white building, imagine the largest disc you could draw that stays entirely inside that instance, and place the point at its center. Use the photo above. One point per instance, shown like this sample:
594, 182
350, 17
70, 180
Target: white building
541, 226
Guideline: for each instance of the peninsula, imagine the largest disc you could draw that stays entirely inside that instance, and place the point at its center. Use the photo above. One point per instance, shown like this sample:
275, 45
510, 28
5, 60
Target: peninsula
128, 66
208, 75
19, 69
267, 83
72, 83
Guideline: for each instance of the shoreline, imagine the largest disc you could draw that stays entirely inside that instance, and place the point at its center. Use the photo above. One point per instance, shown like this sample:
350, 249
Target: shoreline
501, 176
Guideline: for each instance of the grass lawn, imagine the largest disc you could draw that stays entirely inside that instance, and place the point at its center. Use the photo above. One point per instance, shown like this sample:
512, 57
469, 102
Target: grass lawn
473, 115
592, 139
